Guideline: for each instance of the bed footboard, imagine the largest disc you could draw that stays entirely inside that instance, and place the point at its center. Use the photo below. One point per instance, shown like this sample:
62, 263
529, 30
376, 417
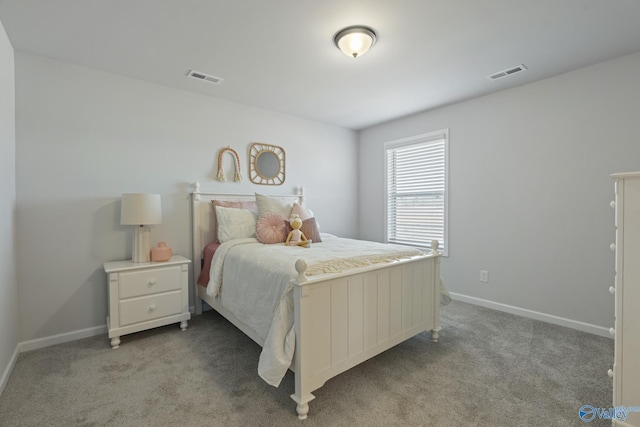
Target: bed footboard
343, 321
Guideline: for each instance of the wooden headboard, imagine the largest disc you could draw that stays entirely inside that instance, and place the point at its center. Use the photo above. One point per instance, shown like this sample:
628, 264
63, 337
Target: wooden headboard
203, 222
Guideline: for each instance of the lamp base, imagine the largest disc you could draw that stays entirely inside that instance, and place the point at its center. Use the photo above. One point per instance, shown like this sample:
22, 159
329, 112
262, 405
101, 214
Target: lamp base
141, 244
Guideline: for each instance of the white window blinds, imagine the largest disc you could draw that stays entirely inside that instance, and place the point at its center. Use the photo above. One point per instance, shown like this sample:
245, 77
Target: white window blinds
417, 190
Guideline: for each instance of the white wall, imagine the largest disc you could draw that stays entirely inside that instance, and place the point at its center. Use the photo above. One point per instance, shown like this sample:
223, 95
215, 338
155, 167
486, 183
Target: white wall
84, 137
529, 188
8, 280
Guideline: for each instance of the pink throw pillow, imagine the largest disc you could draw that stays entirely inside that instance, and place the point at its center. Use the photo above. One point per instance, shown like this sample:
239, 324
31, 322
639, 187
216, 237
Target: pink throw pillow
301, 211
272, 228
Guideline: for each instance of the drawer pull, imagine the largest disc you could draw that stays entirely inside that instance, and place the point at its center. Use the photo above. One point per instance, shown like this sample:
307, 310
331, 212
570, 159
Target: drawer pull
152, 307
152, 282
612, 290
612, 331
610, 373
612, 204
613, 247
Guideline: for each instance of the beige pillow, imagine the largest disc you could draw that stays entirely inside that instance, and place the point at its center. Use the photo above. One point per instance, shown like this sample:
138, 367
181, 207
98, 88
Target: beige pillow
269, 204
249, 205
235, 223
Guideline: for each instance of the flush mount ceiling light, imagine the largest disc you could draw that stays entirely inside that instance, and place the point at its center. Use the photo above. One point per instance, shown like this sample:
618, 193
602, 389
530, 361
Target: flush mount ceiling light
355, 41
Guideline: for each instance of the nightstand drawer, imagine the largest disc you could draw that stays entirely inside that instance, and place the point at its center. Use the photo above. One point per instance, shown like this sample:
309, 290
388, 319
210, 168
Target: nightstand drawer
146, 282
142, 309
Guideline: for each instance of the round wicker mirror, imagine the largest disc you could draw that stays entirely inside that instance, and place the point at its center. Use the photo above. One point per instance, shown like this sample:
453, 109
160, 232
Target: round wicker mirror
266, 164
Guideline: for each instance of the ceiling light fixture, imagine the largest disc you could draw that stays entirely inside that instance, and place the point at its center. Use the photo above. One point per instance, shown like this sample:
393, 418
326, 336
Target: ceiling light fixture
355, 40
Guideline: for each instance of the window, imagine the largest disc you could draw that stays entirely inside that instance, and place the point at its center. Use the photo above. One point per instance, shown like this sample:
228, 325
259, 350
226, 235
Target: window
416, 190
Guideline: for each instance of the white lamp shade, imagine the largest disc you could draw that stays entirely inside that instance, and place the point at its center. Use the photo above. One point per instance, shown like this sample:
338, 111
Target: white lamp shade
355, 41
140, 209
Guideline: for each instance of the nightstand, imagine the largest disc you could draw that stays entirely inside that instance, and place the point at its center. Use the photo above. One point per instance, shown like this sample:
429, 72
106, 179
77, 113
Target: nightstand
146, 295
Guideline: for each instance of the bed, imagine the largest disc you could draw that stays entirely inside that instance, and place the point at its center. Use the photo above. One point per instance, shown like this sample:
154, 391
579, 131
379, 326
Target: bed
339, 317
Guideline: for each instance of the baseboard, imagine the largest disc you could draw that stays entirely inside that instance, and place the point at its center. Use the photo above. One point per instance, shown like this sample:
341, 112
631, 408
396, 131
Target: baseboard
61, 338
536, 315
66, 337
7, 372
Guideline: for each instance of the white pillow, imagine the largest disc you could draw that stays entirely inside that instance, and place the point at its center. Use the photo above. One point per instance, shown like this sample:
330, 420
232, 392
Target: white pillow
234, 223
268, 204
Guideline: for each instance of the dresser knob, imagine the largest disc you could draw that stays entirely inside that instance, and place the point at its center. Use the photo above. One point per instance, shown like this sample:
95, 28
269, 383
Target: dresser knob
612, 290
612, 331
152, 307
610, 373
151, 282
612, 204
613, 247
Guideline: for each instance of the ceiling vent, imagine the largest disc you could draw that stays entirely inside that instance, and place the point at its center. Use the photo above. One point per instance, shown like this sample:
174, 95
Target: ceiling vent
205, 77
506, 73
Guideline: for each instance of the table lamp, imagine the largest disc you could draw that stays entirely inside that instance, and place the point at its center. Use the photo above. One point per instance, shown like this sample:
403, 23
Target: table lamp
141, 210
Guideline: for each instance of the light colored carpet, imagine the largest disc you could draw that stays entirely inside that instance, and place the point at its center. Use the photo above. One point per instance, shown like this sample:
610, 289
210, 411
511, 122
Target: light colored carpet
489, 369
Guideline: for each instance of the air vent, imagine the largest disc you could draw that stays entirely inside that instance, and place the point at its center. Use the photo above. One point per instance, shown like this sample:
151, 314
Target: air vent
506, 73
205, 77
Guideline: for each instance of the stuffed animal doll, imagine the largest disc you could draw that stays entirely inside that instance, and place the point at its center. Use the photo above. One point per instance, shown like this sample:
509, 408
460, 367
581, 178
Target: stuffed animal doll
296, 237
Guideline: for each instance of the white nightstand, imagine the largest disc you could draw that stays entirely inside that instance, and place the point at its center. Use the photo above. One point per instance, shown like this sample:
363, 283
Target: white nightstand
146, 295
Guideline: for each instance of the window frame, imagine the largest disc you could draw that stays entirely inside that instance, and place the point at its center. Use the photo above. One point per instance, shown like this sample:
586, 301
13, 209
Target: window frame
424, 138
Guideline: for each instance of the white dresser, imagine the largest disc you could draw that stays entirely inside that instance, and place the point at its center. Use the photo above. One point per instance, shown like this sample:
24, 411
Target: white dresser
626, 368
146, 295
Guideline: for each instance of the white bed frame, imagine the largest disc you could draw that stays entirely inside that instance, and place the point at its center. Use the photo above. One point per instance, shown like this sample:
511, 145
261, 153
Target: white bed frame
341, 320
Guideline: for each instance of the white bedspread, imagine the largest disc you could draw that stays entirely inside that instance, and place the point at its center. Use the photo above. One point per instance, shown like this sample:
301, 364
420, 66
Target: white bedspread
254, 282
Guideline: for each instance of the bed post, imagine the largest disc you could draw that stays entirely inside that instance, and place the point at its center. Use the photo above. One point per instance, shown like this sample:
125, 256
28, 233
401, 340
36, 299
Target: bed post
196, 248
435, 332
302, 395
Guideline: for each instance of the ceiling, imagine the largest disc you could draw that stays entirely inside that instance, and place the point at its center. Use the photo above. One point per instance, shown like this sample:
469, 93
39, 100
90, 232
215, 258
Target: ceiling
279, 54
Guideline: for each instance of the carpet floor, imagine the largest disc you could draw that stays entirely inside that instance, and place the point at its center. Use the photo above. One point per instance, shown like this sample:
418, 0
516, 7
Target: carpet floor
489, 369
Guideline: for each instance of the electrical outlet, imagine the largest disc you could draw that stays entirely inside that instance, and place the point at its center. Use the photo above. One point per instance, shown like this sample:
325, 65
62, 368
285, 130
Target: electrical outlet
484, 276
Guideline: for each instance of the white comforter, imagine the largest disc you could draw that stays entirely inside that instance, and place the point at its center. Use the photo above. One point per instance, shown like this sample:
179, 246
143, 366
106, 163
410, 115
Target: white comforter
254, 282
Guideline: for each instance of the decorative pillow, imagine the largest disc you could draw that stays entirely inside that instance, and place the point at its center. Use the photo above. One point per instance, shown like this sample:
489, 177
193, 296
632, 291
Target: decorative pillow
269, 204
248, 204
272, 228
309, 229
235, 223
301, 211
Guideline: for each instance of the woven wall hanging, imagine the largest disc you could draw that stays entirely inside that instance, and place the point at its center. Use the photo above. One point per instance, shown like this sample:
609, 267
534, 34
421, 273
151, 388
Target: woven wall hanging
221, 175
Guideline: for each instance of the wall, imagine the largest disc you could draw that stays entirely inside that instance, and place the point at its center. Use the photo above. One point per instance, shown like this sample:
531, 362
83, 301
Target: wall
85, 137
8, 280
529, 188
